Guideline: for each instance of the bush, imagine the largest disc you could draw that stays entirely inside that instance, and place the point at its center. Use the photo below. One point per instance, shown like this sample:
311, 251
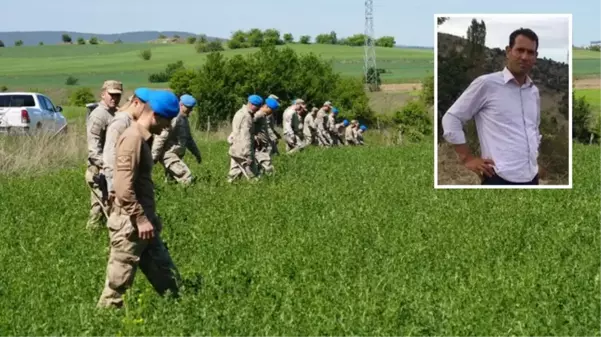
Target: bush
93, 40
3, 88
146, 54
81, 96
191, 39
207, 47
305, 39
164, 76
414, 121
71, 80
581, 111
81, 40
427, 94
224, 83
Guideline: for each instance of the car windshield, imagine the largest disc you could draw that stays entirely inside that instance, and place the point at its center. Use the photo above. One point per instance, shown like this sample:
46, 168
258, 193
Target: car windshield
16, 101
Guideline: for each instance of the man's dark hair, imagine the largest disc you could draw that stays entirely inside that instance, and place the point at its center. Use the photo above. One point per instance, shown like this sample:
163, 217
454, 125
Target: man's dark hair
527, 32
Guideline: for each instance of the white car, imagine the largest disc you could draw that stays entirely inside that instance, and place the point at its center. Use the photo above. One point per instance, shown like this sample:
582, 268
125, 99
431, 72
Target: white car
30, 112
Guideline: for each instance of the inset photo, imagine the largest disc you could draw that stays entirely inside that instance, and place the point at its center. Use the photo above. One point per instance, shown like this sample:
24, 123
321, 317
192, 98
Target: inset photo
503, 101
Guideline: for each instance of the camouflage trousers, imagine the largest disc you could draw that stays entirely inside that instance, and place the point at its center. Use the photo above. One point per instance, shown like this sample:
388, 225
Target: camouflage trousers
96, 216
263, 159
176, 169
293, 143
241, 167
323, 138
274, 147
309, 139
127, 252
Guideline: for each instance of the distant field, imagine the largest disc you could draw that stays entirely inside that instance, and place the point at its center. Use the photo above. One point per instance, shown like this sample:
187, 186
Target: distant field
49, 66
592, 96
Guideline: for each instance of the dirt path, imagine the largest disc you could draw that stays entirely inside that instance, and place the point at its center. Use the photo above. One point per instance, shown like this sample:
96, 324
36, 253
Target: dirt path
587, 83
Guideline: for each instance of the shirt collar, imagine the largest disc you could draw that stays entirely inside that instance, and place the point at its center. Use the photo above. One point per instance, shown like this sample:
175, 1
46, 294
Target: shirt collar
145, 133
508, 76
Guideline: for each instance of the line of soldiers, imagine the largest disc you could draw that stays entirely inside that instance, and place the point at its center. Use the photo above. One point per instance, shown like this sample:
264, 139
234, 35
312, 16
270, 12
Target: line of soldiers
254, 140
122, 152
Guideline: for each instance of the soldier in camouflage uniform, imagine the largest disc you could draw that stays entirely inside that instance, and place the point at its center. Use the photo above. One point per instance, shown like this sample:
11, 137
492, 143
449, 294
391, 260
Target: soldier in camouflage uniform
170, 146
309, 128
96, 125
274, 136
262, 140
360, 132
242, 141
292, 131
332, 127
322, 134
122, 120
350, 133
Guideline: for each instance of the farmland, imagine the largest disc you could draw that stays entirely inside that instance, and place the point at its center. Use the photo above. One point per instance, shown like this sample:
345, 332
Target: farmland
344, 241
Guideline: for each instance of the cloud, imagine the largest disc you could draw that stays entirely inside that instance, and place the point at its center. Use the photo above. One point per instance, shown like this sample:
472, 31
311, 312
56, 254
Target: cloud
552, 31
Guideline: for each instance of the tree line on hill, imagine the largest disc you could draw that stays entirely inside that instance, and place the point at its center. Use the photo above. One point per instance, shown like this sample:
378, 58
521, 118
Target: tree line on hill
257, 38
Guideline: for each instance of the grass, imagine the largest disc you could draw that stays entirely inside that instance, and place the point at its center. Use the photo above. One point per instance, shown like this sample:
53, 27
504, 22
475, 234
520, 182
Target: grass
593, 96
315, 253
48, 66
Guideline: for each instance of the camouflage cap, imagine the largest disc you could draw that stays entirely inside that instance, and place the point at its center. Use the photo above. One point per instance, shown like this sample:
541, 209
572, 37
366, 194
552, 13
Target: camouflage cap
328, 103
274, 97
314, 109
113, 87
299, 101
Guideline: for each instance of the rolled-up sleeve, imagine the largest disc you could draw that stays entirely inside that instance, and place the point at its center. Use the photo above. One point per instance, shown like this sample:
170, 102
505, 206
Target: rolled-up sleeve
464, 109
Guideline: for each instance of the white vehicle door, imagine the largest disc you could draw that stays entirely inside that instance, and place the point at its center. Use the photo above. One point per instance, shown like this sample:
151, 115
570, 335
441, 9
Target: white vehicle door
48, 115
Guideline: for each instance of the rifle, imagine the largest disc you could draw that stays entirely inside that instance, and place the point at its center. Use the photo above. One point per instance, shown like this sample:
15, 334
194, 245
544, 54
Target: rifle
100, 180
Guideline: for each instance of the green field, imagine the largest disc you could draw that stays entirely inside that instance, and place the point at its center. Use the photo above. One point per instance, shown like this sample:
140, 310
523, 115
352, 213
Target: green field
49, 66
317, 253
593, 96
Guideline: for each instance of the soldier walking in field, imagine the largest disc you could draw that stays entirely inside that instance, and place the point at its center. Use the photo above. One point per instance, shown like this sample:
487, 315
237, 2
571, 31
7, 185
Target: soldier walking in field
133, 225
262, 141
122, 120
292, 132
274, 136
332, 127
170, 146
242, 142
309, 127
350, 133
322, 134
360, 132
96, 126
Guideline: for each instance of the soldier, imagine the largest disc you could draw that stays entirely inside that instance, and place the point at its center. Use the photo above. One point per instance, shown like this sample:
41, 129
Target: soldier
262, 140
362, 129
350, 133
309, 127
96, 125
170, 146
340, 128
122, 120
323, 136
241, 140
291, 126
274, 136
134, 226
332, 127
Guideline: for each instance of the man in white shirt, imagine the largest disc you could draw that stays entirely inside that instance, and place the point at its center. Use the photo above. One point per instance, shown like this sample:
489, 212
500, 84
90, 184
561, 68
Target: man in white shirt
506, 108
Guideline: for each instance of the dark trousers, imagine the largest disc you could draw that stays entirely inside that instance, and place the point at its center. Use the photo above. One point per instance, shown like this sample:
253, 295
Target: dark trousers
496, 180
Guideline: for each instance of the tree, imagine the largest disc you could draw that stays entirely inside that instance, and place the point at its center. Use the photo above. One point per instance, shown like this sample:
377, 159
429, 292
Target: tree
238, 40
441, 20
288, 38
305, 39
66, 38
161, 36
81, 40
1, 43
18, 43
386, 41
271, 37
191, 39
93, 40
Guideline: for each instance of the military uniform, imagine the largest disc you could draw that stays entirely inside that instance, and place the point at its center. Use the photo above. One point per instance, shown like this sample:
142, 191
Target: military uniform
291, 130
309, 128
96, 126
322, 134
170, 147
242, 145
120, 123
350, 135
263, 142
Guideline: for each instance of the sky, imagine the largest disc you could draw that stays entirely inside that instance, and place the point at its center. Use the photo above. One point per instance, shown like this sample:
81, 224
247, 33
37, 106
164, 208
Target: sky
410, 22
552, 31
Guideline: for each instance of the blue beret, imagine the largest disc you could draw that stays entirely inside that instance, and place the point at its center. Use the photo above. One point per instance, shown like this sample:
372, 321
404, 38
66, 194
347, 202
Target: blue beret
143, 94
164, 103
188, 101
255, 100
363, 127
335, 110
272, 103
345, 122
